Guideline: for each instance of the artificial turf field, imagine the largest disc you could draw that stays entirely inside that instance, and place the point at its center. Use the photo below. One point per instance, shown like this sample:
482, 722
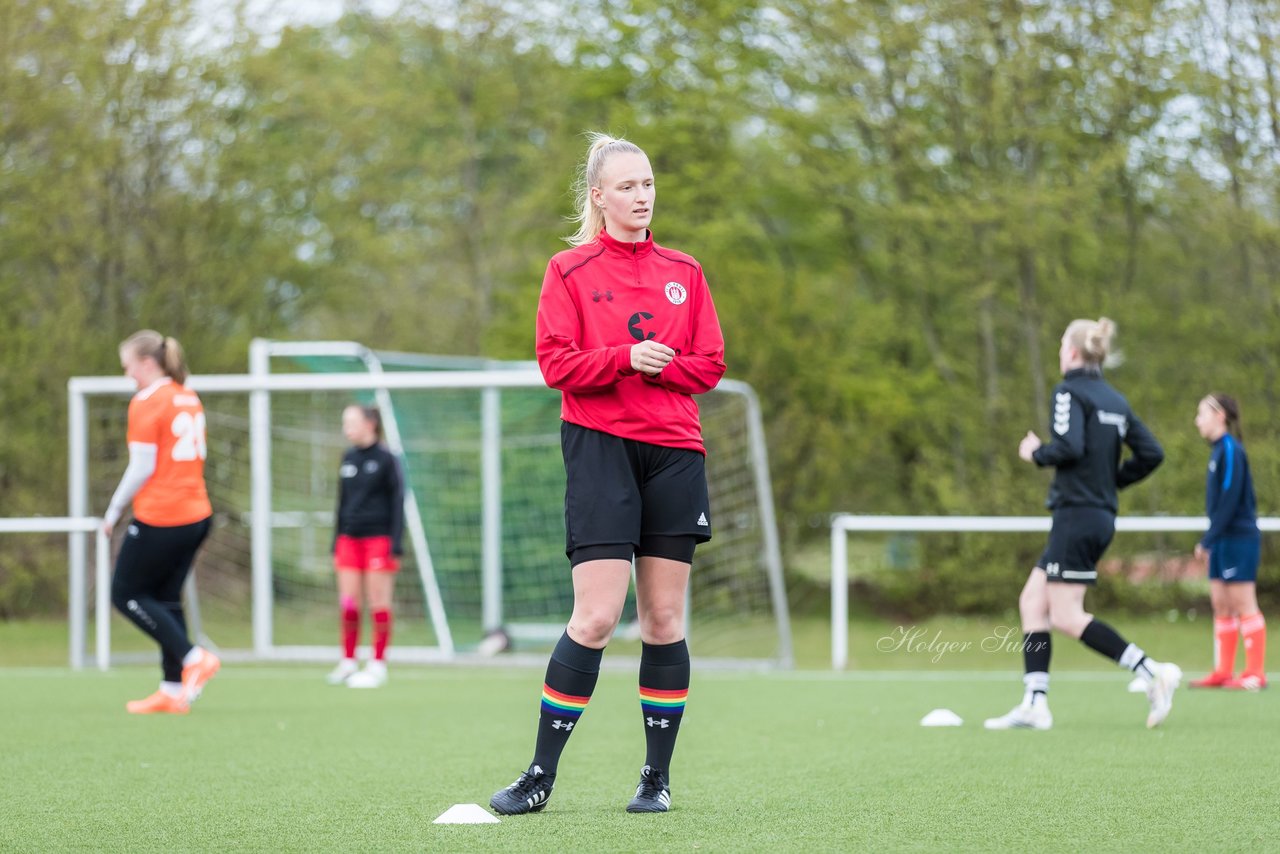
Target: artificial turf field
272, 759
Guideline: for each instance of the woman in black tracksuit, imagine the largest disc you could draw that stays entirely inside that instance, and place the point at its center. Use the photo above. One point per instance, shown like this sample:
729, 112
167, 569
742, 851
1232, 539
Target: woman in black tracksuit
1092, 424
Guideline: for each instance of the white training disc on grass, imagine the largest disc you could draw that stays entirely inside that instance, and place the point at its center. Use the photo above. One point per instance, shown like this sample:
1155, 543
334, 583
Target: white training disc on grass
941, 717
466, 814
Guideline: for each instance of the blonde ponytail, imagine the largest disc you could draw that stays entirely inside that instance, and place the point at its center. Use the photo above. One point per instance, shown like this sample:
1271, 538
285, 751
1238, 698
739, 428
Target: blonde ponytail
590, 218
1093, 339
166, 351
174, 364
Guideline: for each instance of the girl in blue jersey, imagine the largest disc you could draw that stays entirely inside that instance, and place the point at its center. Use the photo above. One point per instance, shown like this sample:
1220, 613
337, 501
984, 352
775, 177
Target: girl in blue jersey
1231, 547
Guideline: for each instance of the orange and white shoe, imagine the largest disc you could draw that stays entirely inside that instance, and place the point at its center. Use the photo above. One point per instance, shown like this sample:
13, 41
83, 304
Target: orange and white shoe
196, 674
1213, 680
1246, 682
158, 703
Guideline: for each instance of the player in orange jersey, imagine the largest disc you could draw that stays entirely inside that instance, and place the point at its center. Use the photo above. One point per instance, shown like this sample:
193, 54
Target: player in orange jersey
164, 482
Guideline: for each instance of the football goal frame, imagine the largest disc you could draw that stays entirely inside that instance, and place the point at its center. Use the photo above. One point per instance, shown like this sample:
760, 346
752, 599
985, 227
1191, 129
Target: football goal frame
260, 384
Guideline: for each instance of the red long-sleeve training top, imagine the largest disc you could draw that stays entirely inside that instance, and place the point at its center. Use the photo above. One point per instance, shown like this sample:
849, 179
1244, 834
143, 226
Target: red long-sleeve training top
599, 300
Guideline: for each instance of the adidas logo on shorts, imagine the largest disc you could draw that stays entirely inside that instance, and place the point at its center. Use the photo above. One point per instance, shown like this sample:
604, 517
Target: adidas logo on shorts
702, 518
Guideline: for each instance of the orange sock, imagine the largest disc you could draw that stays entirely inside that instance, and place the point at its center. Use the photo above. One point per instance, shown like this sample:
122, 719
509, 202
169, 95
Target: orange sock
1254, 629
1226, 631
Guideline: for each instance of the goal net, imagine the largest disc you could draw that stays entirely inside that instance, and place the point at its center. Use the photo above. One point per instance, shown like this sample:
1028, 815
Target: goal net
484, 538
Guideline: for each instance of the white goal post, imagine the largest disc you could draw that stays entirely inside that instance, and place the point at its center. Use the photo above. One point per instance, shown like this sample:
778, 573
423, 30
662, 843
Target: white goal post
255, 393
844, 524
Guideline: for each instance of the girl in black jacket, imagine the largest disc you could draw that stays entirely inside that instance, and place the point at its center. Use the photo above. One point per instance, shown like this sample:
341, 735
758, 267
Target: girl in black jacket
1092, 424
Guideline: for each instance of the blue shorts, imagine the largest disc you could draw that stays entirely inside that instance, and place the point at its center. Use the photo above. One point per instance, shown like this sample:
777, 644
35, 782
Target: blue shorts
1235, 559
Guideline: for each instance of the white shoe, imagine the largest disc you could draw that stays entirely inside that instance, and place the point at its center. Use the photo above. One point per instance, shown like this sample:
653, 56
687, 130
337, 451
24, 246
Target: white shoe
1024, 716
346, 668
1160, 692
1139, 685
374, 675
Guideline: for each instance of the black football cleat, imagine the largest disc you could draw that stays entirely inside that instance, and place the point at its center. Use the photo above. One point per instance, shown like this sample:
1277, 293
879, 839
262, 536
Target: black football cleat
653, 794
529, 793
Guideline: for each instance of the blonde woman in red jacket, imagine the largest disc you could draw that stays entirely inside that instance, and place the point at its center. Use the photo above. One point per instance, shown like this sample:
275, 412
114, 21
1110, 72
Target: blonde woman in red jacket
627, 331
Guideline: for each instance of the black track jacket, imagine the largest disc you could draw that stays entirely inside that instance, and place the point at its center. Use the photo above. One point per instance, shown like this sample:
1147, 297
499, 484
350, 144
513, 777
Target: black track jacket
1089, 423
370, 495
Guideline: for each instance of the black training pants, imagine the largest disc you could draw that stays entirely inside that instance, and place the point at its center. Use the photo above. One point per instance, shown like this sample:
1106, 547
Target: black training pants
147, 587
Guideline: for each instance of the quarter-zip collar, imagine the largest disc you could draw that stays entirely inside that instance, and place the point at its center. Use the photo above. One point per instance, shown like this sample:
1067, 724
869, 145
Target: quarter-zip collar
632, 250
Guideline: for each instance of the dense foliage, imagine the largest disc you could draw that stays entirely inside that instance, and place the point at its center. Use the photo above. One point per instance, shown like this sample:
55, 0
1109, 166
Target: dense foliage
899, 207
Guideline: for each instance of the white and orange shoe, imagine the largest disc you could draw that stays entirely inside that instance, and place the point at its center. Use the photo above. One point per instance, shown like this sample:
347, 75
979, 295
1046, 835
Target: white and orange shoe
197, 673
158, 703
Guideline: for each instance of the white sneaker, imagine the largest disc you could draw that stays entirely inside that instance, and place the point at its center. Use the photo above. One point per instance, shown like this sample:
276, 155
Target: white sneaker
374, 675
1160, 692
1139, 685
1024, 716
345, 670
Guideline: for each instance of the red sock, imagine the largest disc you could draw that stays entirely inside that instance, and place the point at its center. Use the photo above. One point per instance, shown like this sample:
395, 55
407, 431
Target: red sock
1254, 629
1226, 632
350, 627
381, 632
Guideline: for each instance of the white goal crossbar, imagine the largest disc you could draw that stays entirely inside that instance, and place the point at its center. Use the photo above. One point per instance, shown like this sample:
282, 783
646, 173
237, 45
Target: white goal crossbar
844, 524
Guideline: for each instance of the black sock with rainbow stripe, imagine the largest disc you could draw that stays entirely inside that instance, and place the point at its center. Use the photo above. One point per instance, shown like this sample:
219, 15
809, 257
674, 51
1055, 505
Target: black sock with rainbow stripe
571, 677
664, 687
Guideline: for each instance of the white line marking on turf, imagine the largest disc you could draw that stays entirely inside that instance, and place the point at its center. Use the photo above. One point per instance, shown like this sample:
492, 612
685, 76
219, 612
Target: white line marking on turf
412, 673
935, 676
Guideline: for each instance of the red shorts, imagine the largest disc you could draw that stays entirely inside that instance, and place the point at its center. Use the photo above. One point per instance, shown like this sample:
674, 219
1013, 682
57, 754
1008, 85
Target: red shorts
372, 554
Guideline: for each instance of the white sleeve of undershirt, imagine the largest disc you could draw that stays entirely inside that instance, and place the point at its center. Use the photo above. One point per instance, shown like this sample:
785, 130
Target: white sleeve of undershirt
142, 464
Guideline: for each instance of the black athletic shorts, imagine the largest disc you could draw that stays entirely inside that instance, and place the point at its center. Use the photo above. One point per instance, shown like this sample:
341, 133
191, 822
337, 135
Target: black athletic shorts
637, 496
1077, 540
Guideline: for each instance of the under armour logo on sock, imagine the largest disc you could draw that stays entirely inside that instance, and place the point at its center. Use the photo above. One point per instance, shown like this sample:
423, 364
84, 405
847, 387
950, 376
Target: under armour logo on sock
564, 725
663, 723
